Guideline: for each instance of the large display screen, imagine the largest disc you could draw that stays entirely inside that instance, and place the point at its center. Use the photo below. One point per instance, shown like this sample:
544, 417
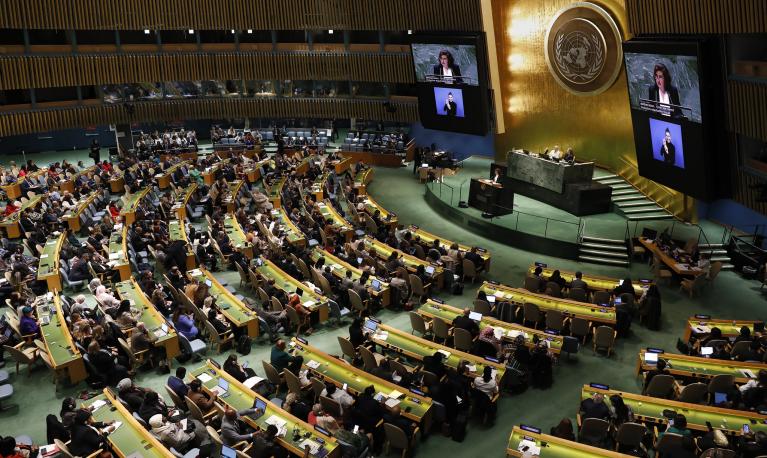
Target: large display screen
445, 64
664, 84
451, 82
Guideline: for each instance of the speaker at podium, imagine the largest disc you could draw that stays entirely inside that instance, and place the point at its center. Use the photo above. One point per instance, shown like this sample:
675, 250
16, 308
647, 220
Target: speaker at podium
490, 195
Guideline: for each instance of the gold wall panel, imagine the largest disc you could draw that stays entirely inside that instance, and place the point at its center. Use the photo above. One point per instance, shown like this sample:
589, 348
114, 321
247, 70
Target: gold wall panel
538, 113
43, 120
460, 15
24, 72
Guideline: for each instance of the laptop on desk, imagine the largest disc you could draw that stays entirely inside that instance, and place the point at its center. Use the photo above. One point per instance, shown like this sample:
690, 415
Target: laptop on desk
222, 388
260, 407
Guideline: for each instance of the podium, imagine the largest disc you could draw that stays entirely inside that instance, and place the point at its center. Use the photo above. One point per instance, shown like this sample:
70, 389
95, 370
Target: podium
494, 199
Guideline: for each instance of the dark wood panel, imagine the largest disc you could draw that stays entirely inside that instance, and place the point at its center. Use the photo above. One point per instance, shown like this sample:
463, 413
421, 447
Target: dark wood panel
20, 122
747, 102
696, 16
24, 72
748, 191
460, 15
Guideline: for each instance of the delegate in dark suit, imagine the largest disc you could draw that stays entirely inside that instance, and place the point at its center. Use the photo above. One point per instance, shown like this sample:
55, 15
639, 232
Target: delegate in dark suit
673, 98
456, 69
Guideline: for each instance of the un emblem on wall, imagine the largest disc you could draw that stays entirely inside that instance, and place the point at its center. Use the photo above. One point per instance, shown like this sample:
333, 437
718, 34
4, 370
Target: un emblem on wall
583, 49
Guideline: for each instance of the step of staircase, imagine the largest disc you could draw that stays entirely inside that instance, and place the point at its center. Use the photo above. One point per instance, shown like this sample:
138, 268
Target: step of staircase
604, 246
598, 260
602, 253
720, 258
727, 267
587, 238
711, 245
640, 210
609, 176
712, 251
618, 187
627, 198
648, 217
626, 192
630, 203
613, 181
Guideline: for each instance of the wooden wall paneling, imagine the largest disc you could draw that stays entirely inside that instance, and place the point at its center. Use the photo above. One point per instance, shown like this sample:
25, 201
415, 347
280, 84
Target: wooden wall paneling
13, 123
696, 16
241, 14
748, 108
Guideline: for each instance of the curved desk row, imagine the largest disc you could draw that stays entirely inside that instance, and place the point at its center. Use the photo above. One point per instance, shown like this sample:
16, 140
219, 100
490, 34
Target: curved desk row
239, 397
310, 299
233, 308
130, 291
48, 267
504, 331
519, 297
594, 282
339, 268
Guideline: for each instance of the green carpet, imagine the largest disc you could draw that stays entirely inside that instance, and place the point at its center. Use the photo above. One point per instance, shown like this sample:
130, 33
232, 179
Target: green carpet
398, 190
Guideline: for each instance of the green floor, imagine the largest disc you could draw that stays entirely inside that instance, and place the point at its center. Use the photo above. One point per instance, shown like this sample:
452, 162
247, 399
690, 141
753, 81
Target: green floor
399, 191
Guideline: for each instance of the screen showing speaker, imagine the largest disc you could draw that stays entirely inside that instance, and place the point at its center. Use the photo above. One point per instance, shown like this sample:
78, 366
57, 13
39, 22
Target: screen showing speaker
445, 64
664, 84
451, 82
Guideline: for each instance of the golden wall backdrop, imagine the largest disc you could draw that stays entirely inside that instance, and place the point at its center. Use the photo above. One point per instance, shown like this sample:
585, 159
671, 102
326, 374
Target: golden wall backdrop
538, 113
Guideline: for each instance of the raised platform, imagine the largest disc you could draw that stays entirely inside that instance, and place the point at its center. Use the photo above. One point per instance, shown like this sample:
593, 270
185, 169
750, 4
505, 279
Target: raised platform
521, 230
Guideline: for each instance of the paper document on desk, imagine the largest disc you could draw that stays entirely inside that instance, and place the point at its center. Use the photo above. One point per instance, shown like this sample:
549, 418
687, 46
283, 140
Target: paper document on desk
444, 352
313, 364
253, 381
43, 256
471, 368
95, 406
513, 333
528, 446
395, 394
747, 373
114, 256
392, 403
382, 335
204, 377
278, 423
700, 329
116, 425
308, 303
498, 333
498, 294
314, 447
